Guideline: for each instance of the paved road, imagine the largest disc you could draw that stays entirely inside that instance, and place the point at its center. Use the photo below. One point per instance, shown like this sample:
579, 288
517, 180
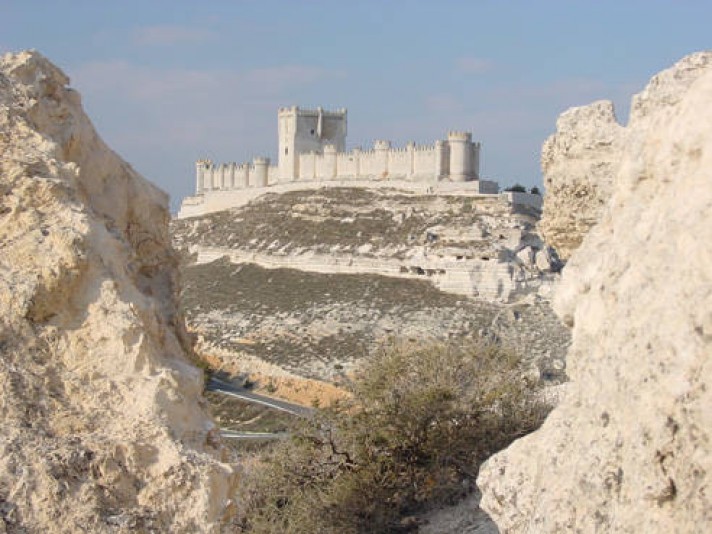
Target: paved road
226, 388
232, 434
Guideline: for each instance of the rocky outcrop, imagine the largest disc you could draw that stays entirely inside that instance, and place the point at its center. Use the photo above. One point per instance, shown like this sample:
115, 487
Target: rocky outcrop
578, 163
581, 159
102, 426
628, 448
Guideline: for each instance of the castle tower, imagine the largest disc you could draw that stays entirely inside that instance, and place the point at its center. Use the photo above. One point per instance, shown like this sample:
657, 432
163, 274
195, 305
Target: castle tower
329, 162
476, 159
442, 159
381, 149
242, 176
410, 148
230, 176
200, 176
305, 130
220, 176
259, 179
462, 157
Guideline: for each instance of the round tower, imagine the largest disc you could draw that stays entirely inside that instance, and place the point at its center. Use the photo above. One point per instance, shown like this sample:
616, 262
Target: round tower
242, 174
259, 178
442, 159
357, 161
231, 168
381, 145
460, 156
221, 172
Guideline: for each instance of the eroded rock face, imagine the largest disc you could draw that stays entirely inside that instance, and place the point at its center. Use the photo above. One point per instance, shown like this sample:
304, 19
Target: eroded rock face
101, 422
578, 162
628, 449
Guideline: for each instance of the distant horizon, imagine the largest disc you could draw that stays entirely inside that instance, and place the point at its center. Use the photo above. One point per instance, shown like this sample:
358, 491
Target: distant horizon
168, 83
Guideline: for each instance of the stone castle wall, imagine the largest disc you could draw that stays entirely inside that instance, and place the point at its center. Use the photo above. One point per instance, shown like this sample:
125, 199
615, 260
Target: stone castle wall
312, 150
430, 163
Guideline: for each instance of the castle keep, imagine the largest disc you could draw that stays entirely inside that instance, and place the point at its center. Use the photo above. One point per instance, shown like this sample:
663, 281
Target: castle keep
312, 149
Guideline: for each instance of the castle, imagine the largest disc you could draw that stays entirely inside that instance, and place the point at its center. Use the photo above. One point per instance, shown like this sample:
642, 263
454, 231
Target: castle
312, 150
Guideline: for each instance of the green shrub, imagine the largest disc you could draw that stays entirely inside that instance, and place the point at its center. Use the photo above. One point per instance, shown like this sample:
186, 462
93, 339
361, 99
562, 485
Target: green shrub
516, 188
421, 422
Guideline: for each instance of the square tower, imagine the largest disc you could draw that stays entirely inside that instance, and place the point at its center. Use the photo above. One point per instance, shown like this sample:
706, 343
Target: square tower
307, 130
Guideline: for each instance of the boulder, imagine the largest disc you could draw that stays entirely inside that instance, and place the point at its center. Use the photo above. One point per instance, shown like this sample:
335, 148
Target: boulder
580, 161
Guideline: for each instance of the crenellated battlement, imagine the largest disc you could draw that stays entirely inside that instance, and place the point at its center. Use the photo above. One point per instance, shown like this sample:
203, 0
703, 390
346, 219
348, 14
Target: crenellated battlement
312, 148
459, 136
424, 148
291, 110
381, 145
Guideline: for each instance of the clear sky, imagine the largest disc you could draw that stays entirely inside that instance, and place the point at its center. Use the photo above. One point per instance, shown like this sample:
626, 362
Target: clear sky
168, 82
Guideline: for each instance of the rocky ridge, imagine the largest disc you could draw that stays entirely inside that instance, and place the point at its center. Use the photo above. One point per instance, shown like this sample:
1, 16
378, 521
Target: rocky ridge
103, 422
628, 448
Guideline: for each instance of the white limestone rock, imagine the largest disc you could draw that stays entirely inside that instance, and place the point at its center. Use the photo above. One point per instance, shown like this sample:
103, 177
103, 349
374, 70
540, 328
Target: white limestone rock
526, 256
546, 260
628, 449
580, 160
102, 420
578, 163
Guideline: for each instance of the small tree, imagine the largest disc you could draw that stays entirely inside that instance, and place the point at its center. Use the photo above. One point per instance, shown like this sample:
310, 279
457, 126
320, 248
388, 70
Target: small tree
535, 191
516, 188
421, 421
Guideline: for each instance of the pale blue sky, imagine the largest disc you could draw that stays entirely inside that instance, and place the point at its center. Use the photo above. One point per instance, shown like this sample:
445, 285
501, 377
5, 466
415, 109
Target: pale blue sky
167, 82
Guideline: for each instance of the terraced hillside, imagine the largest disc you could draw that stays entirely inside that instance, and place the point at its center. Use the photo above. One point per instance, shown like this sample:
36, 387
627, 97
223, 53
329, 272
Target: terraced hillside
320, 324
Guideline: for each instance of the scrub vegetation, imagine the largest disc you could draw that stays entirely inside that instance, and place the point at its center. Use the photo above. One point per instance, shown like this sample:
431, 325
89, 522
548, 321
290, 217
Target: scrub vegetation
421, 421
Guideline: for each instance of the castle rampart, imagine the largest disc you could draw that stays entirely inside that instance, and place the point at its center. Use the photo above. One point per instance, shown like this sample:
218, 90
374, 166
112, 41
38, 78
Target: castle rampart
312, 149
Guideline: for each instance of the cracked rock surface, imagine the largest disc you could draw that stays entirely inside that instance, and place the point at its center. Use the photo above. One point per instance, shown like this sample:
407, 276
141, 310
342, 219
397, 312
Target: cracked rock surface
102, 423
629, 447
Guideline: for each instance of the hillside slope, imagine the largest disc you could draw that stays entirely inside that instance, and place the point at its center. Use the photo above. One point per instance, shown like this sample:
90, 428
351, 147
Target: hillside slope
315, 280
470, 245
